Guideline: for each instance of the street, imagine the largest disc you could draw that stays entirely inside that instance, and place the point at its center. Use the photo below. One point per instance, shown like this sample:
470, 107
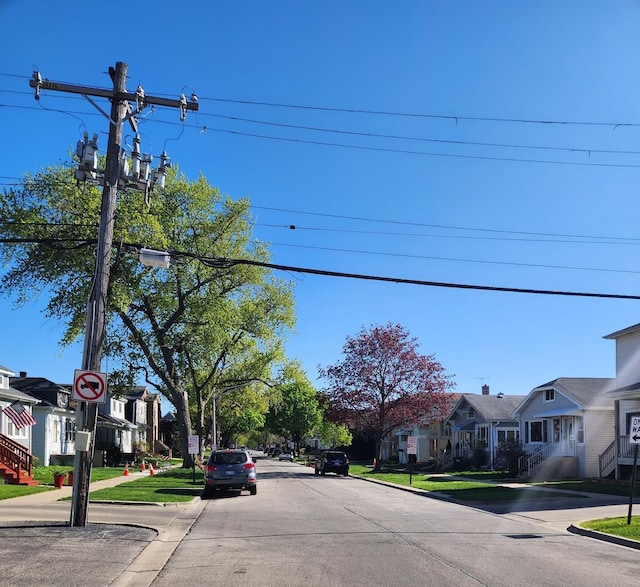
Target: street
306, 530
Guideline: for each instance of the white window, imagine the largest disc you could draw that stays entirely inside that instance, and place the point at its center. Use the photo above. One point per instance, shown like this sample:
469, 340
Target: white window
549, 395
579, 421
471, 414
508, 435
14, 432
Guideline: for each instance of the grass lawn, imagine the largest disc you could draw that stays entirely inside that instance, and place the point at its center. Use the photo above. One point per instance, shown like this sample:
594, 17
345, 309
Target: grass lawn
616, 527
467, 491
44, 476
174, 485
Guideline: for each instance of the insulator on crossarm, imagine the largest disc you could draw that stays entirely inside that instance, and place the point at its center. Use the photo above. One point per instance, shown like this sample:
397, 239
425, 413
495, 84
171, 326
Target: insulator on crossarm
135, 158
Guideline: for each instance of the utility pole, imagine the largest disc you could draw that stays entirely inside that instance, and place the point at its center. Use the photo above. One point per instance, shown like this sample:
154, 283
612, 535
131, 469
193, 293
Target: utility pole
121, 110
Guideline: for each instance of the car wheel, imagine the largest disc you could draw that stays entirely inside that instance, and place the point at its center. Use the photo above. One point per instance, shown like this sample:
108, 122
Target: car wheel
253, 490
316, 472
207, 492
323, 472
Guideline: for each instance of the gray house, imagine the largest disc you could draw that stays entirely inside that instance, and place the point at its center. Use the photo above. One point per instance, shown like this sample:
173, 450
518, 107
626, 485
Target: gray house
565, 425
482, 423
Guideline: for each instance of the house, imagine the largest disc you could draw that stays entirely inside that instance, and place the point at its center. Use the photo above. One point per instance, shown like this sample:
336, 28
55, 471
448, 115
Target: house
565, 425
54, 432
433, 437
115, 436
16, 458
480, 424
143, 409
618, 458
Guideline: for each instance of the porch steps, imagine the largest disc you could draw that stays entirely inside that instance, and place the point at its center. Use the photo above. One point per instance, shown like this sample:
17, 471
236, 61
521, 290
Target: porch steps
11, 477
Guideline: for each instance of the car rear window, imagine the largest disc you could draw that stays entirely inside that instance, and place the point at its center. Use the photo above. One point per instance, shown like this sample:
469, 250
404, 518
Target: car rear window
229, 458
336, 455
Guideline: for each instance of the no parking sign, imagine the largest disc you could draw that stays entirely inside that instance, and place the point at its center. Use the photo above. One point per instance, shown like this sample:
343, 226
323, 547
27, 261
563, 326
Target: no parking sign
89, 386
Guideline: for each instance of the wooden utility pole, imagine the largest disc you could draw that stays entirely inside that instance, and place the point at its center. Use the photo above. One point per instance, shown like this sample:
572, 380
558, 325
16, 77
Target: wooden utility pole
87, 412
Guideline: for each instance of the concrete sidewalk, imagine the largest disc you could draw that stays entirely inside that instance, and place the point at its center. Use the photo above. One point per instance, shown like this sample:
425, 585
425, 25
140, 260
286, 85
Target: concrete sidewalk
122, 544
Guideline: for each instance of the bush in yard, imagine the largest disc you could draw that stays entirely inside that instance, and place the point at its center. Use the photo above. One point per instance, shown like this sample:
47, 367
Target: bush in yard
507, 456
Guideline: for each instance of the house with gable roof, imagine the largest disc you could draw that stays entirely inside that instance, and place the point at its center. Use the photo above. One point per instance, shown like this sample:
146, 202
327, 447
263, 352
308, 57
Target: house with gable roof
618, 458
565, 425
16, 457
55, 428
482, 423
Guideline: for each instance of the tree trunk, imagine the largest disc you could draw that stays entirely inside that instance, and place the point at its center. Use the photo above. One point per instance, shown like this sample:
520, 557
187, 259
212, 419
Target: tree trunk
184, 430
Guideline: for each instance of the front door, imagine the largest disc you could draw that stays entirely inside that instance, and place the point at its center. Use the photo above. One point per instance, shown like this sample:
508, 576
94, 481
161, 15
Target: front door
568, 436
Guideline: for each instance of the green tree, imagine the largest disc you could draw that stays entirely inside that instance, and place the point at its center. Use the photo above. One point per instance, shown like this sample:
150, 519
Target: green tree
201, 325
240, 412
297, 413
333, 434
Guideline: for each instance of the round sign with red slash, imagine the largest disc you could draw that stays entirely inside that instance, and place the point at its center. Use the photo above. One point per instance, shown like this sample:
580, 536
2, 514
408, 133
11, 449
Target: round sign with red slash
89, 386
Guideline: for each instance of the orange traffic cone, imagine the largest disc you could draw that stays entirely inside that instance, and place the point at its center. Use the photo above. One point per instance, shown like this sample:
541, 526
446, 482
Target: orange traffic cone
151, 470
374, 463
126, 469
142, 466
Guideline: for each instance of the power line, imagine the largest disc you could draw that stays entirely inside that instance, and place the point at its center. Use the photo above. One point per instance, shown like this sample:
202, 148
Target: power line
228, 263
224, 263
457, 260
618, 241
442, 226
451, 117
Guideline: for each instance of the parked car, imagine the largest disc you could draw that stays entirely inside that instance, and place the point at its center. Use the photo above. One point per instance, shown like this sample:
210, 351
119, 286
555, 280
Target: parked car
332, 461
230, 469
285, 456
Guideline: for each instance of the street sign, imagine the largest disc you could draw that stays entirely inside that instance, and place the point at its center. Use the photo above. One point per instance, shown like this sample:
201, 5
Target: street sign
194, 444
634, 430
89, 386
412, 445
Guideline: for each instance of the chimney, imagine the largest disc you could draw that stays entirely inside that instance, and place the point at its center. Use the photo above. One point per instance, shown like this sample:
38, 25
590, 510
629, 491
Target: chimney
23, 374
485, 389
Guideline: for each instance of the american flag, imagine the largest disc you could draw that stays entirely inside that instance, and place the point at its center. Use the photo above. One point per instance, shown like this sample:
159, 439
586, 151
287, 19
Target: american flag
19, 415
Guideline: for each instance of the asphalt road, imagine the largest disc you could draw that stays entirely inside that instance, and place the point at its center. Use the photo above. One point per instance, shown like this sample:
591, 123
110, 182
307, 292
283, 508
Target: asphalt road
336, 531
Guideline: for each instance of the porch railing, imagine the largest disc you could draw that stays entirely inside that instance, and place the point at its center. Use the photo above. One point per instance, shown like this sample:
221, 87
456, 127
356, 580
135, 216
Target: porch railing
610, 456
530, 462
15, 456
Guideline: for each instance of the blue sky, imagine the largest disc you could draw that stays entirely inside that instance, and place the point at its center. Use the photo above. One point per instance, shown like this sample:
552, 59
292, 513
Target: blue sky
480, 143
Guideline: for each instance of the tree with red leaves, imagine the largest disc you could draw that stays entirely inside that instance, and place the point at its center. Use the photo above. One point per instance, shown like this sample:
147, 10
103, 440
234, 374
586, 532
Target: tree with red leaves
383, 384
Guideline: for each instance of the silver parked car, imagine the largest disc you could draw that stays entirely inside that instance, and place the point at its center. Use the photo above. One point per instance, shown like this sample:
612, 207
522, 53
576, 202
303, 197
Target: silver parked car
230, 469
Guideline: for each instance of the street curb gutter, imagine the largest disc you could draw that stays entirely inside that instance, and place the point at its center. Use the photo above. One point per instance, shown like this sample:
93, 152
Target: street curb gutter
146, 567
619, 540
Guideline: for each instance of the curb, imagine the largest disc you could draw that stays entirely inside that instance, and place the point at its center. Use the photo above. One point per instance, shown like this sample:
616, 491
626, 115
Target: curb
619, 540
148, 564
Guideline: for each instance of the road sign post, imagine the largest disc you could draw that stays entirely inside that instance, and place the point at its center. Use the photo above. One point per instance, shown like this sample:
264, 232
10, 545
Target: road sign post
412, 449
194, 449
634, 438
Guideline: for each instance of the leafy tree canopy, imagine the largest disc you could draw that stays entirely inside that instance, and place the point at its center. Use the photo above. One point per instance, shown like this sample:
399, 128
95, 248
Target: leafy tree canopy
203, 324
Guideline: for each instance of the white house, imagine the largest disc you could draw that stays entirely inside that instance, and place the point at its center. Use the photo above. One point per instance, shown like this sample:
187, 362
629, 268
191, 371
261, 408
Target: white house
565, 425
618, 456
16, 458
55, 428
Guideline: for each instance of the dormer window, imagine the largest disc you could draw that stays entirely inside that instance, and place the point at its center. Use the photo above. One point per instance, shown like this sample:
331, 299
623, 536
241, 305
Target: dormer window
471, 414
549, 395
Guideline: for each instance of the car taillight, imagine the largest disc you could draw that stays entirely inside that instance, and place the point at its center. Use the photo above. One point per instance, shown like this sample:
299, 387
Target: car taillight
249, 465
210, 468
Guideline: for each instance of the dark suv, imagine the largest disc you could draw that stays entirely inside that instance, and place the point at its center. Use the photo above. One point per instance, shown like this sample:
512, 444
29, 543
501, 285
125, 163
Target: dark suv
332, 461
